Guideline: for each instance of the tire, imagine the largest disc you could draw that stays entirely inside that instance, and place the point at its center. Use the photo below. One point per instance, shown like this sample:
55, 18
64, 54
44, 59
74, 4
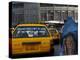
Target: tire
69, 45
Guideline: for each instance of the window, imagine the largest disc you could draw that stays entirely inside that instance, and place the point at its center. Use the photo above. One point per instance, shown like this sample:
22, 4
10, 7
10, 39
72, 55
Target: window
76, 15
71, 13
43, 15
17, 18
64, 15
57, 15
17, 5
35, 31
50, 15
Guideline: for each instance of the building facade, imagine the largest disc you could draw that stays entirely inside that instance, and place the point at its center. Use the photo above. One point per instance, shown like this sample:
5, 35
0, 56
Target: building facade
28, 12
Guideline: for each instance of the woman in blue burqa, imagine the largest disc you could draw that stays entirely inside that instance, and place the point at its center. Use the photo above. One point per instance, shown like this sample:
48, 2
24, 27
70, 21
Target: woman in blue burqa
69, 37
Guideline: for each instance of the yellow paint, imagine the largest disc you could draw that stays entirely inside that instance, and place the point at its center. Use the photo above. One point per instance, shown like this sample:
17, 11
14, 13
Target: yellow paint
19, 48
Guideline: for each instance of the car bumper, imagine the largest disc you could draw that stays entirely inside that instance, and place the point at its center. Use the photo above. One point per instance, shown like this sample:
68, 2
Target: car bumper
30, 55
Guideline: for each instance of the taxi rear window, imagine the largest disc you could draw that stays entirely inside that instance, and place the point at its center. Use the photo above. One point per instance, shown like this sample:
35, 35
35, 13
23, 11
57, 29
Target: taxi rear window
30, 31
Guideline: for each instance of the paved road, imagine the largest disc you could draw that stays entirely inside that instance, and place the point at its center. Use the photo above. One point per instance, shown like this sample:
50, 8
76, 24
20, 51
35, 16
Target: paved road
57, 50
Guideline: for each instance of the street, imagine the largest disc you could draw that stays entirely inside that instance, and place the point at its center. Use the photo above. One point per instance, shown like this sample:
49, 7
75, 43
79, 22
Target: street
57, 50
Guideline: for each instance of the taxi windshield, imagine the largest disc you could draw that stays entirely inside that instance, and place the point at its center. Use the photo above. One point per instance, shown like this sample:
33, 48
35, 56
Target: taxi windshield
30, 31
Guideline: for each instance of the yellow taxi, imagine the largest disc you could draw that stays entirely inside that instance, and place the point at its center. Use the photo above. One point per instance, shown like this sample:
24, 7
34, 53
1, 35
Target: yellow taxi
55, 34
30, 38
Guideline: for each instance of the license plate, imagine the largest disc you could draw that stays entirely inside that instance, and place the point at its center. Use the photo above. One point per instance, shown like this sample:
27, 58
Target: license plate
31, 47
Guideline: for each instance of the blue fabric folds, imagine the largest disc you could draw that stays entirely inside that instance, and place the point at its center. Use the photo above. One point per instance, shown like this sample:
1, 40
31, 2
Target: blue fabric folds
69, 27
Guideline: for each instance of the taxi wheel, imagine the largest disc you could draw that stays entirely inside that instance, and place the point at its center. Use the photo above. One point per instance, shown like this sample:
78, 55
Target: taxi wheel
69, 45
